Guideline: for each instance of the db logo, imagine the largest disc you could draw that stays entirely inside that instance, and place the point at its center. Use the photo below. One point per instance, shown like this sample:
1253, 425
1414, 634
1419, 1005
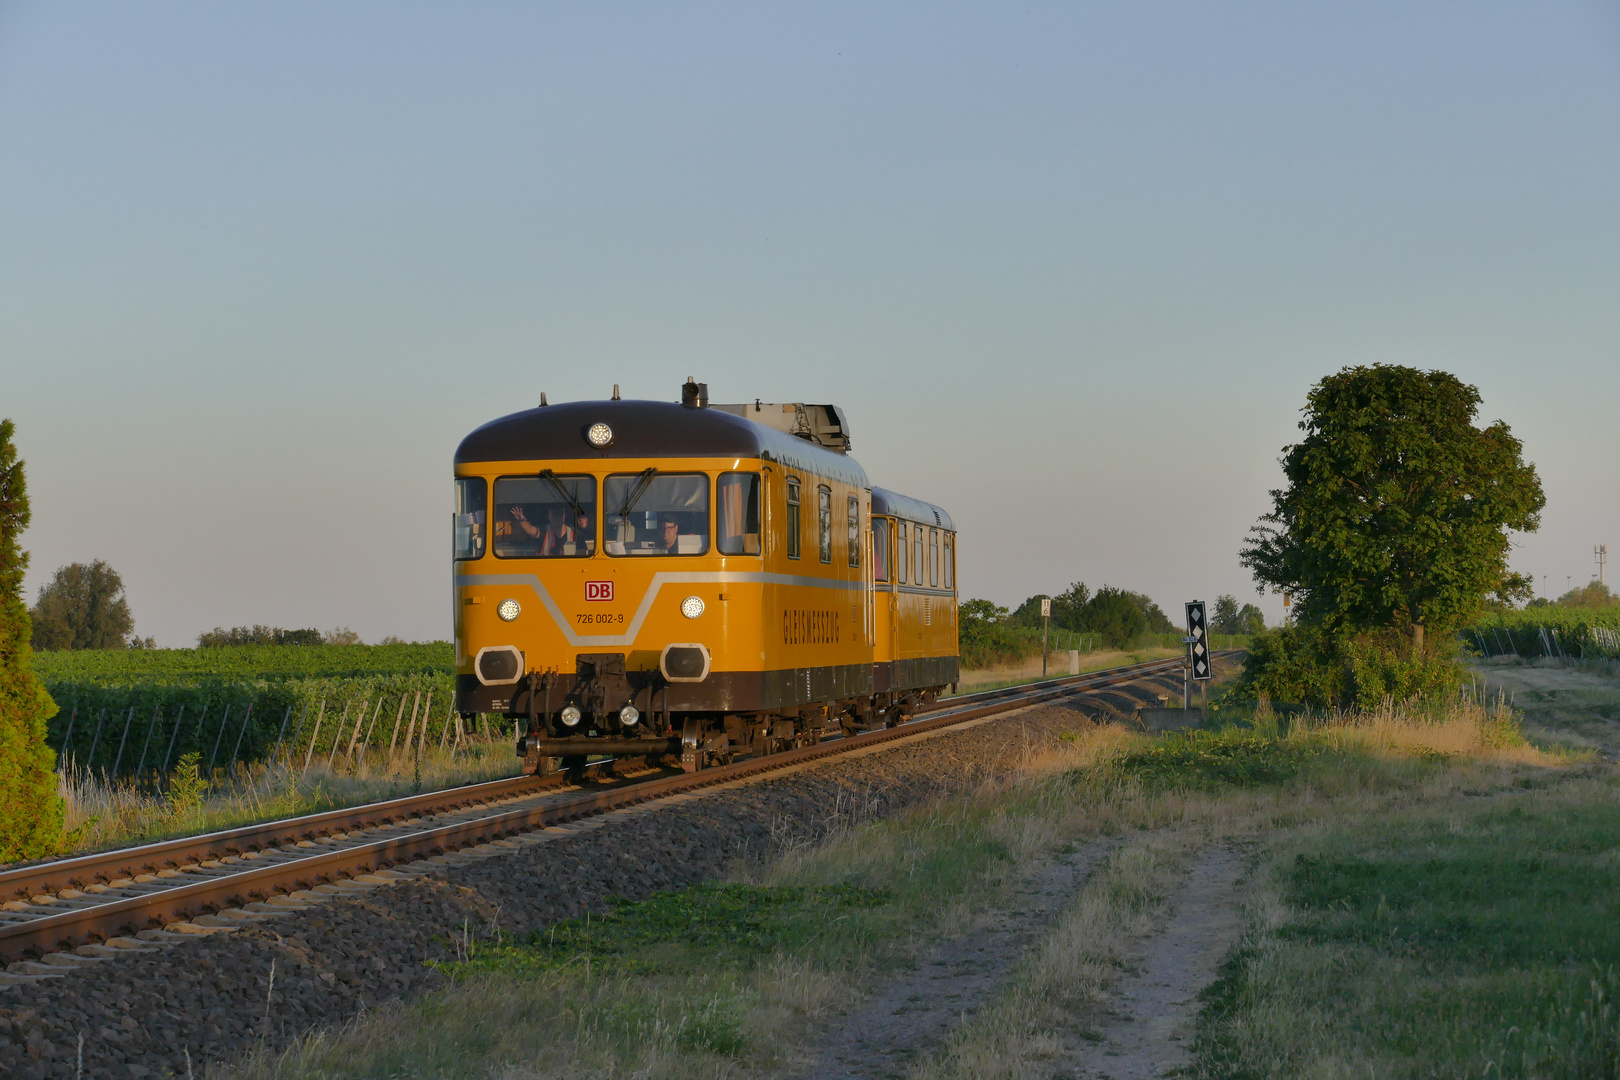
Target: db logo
599, 590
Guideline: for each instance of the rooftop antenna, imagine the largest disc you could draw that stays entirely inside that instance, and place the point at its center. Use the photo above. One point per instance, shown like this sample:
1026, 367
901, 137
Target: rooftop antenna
542, 399
615, 391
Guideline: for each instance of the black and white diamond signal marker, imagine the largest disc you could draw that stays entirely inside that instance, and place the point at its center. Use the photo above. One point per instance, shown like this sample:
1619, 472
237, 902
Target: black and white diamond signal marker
1198, 639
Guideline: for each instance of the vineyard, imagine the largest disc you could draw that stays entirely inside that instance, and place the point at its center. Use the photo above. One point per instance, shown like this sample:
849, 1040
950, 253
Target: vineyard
1548, 630
127, 667
137, 712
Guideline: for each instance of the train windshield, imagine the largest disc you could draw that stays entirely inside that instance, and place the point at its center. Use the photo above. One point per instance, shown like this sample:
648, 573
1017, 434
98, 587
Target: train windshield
653, 513
545, 516
739, 513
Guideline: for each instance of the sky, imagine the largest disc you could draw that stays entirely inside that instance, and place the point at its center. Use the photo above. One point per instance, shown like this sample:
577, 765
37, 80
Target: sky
1069, 268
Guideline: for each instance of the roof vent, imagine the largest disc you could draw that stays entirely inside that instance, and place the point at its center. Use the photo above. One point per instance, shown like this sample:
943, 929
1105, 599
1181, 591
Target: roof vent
823, 425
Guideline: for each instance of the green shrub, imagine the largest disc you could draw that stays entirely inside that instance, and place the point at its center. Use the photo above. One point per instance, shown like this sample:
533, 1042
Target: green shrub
30, 809
1310, 667
986, 637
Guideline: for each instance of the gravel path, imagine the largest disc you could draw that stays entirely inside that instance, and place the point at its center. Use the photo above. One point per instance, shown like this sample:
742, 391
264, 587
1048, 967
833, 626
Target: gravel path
213, 997
909, 1016
1150, 1031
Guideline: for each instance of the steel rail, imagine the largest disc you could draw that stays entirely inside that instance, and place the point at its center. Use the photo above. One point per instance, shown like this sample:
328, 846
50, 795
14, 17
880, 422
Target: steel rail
78, 871
84, 924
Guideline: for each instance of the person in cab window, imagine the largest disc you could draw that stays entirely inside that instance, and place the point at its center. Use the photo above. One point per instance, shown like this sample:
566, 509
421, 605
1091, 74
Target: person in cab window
556, 533
672, 536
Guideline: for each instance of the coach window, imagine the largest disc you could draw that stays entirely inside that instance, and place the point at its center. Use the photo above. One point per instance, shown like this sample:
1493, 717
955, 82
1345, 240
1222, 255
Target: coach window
824, 521
918, 563
792, 518
950, 561
933, 557
544, 517
854, 531
653, 513
880, 549
738, 496
900, 552
472, 493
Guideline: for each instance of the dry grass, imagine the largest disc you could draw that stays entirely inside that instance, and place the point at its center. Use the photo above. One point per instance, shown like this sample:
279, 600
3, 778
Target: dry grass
943, 867
1028, 671
102, 815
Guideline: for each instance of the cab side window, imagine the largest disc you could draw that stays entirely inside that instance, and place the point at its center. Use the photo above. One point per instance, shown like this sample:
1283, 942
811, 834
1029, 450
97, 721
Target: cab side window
933, 557
824, 521
919, 563
950, 561
854, 531
792, 517
739, 513
468, 525
900, 550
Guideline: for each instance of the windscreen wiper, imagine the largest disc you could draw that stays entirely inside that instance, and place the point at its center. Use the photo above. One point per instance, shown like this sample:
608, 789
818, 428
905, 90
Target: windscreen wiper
568, 496
637, 492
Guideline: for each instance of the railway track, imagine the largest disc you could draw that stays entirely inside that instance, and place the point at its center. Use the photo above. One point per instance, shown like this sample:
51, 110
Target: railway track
95, 905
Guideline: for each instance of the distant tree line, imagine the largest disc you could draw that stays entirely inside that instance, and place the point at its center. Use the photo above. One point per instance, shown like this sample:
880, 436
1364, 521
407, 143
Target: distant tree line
275, 635
83, 606
1594, 595
991, 634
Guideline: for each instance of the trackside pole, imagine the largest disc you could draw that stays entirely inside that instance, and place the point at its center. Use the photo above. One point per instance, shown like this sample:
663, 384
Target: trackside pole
156, 712
67, 742
120, 759
276, 753
173, 735
224, 722
1046, 624
1197, 668
237, 749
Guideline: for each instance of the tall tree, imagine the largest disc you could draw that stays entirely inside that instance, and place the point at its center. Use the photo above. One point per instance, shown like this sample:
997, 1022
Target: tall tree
30, 809
1116, 616
1397, 509
1250, 620
83, 607
1225, 620
1069, 607
1153, 616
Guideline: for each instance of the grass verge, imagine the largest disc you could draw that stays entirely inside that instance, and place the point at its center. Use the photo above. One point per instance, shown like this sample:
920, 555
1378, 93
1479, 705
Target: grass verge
736, 978
1465, 939
102, 815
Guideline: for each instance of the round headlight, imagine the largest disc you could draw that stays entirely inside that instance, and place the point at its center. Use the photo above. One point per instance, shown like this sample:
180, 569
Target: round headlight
629, 715
508, 610
569, 715
600, 435
692, 607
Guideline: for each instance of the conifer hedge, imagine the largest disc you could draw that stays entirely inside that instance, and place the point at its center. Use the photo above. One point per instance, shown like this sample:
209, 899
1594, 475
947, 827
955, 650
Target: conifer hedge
30, 808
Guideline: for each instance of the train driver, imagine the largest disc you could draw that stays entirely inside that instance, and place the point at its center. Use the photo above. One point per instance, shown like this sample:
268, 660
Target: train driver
556, 533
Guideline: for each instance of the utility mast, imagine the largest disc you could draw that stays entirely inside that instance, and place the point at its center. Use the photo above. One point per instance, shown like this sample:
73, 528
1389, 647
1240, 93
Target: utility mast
1601, 554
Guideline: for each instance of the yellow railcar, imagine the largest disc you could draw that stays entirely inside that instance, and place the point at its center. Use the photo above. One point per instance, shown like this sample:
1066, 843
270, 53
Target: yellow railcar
637, 577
